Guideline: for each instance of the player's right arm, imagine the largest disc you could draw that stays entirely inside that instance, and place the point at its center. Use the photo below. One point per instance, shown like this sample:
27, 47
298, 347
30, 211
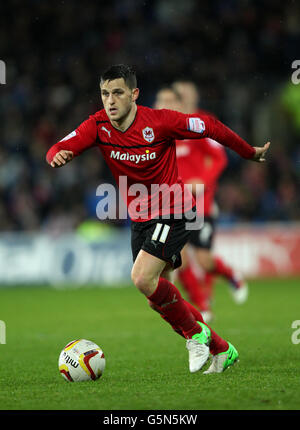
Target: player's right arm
73, 144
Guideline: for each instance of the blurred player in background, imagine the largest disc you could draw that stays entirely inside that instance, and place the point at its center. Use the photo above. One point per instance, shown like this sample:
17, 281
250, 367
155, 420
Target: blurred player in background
200, 163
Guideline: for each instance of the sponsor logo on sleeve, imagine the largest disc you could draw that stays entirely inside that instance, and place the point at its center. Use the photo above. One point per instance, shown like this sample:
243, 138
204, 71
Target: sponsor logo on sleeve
196, 124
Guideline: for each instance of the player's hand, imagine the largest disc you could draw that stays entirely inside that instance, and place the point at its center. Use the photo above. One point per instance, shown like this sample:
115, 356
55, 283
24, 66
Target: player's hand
260, 153
61, 158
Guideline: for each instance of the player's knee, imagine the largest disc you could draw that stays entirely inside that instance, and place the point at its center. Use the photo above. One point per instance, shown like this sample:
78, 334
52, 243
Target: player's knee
144, 283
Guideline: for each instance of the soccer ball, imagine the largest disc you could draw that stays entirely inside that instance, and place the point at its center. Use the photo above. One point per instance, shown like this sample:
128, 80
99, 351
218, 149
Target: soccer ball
81, 360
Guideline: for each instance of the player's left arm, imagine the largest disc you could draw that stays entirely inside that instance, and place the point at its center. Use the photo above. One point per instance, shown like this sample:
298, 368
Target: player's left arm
194, 126
221, 133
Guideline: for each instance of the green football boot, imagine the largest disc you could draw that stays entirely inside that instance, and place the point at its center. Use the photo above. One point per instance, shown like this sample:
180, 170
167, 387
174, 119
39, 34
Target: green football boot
198, 347
223, 360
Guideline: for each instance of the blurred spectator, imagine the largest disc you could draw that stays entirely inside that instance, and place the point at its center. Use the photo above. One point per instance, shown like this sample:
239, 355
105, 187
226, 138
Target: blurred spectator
239, 53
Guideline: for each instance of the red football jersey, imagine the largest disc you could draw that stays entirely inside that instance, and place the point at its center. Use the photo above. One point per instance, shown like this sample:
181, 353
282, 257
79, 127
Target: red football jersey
201, 162
145, 154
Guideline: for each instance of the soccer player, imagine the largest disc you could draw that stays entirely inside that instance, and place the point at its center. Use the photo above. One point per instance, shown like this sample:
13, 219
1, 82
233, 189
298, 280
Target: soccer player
200, 164
138, 143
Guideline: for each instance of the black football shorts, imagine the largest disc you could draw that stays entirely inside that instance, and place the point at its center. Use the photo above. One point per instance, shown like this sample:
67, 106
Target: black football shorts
163, 238
203, 238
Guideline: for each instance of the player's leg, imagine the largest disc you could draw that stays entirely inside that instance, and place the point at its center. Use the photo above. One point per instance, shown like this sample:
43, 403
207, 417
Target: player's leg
146, 277
217, 345
146, 271
168, 274
201, 242
150, 262
208, 287
216, 266
191, 283
154, 245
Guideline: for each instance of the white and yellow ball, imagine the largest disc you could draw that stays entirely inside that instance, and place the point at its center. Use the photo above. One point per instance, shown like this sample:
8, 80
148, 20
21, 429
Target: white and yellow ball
81, 360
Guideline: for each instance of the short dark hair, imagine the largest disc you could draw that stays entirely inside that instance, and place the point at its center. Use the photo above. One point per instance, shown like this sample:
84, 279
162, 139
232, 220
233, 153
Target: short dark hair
118, 71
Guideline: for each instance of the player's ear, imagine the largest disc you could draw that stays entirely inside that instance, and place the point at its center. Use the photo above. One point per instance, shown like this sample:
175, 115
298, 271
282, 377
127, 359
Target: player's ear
135, 94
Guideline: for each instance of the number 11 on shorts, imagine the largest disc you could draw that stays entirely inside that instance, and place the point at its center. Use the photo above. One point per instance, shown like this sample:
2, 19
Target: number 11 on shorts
161, 234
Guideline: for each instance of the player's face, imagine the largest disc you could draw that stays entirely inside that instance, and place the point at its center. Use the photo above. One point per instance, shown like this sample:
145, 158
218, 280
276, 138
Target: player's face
166, 99
117, 99
189, 95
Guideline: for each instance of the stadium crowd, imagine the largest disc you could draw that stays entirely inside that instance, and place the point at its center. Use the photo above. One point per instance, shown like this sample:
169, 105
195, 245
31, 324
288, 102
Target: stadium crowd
239, 53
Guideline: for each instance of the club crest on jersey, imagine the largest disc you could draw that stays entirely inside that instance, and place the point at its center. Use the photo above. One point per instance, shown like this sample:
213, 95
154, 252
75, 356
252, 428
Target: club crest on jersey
148, 134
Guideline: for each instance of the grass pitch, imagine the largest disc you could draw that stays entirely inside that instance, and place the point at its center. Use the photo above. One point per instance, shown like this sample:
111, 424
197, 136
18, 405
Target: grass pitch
146, 362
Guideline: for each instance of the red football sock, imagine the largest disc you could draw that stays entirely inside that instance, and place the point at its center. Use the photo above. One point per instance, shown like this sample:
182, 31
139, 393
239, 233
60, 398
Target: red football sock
193, 287
217, 344
222, 269
159, 310
168, 298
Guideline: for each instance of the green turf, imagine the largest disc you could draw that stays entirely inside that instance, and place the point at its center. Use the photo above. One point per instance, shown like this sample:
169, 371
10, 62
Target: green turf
147, 363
